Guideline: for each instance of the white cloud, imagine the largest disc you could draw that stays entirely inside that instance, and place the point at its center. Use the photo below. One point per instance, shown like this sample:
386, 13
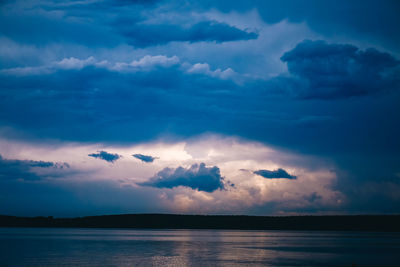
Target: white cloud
70, 63
146, 63
204, 68
74, 63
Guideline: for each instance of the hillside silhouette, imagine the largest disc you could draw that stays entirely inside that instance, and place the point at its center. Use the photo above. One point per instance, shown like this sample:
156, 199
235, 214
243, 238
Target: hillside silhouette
381, 223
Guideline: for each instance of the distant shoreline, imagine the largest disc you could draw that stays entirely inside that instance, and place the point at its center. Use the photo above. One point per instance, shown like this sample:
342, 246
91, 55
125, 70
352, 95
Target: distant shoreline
375, 223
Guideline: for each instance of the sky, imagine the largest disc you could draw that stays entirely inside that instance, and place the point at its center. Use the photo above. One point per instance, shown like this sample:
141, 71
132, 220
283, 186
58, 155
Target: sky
199, 107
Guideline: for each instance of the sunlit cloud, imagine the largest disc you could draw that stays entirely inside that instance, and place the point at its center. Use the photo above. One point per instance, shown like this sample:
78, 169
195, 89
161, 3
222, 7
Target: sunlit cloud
187, 174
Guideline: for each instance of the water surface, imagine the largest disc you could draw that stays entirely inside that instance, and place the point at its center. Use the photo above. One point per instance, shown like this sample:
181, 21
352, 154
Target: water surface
126, 247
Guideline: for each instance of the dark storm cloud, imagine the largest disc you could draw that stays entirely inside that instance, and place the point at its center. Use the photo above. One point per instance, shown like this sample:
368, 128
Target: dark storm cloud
40, 28
134, 106
338, 101
11, 169
198, 177
275, 174
93, 24
367, 20
142, 35
144, 158
88, 23
142, 105
340, 70
109, 157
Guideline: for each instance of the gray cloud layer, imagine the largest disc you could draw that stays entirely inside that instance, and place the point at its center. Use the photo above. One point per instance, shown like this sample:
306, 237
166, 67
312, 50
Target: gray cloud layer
144, 158
12, 169
109, 157
142, 35
275, 174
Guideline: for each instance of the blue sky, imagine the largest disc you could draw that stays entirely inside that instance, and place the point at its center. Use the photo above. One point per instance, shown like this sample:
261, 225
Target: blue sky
212, 107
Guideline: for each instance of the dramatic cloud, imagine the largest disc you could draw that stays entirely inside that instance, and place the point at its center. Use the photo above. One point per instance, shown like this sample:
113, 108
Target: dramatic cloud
109, 157
149, 76
11, 169
144, 158
142, 35
198, 177
339, 70
275, 174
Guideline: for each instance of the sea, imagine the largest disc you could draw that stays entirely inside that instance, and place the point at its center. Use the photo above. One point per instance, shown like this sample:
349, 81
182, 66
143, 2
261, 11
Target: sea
135, 247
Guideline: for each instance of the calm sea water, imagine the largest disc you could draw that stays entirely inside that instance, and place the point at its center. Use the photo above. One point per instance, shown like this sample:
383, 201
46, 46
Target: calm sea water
120, 247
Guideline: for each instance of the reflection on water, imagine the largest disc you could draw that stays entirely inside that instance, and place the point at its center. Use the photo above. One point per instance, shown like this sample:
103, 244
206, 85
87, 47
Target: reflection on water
120, 247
